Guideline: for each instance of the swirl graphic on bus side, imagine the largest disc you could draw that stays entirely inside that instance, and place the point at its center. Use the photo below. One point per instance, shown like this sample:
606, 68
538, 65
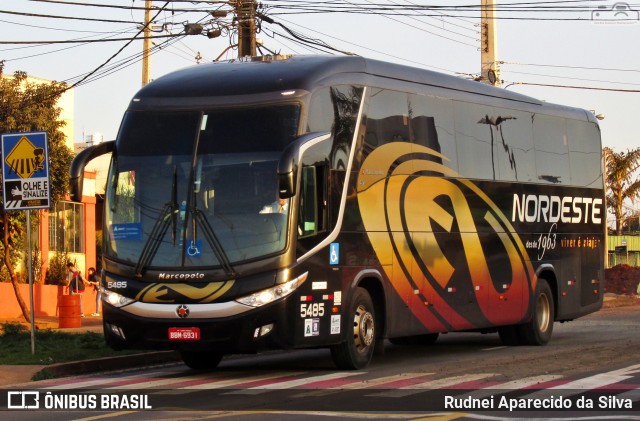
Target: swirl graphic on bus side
448, 250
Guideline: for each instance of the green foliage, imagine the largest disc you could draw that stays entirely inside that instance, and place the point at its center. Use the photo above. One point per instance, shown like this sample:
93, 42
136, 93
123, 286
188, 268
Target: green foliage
632, 223
621, 182
15, 222
51, 346
57, 273
36, 264
99, 247
11, 330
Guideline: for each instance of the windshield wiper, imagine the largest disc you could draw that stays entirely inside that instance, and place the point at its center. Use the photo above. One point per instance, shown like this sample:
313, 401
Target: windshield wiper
174, 204
168, 215
213, 241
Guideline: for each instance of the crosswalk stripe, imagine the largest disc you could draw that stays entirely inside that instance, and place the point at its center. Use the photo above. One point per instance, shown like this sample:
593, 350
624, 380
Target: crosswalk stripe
396, 380
444, 383
597, 381
239, 382
511, 385
291, 383
83, 382
147, 384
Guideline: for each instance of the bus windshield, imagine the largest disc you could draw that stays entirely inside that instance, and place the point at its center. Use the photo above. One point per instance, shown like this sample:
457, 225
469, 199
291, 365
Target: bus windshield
198, 188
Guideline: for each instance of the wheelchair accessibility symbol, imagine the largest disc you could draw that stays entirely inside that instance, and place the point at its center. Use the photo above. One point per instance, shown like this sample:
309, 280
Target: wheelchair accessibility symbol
334, 253
194, 248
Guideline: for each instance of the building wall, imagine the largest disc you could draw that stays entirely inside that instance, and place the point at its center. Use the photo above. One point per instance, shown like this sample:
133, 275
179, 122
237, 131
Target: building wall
66, 103
88, 258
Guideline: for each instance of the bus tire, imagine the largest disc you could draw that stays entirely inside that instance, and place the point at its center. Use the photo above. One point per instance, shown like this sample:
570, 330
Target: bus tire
539, 329
356, 352
201, 360
426, 339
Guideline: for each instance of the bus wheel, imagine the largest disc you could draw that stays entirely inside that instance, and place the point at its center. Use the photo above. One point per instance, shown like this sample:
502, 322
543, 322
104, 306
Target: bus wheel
201, 360
538, 330
426, 339
356, 352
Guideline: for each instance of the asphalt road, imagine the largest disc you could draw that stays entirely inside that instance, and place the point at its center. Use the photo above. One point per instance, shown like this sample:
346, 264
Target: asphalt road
593, 359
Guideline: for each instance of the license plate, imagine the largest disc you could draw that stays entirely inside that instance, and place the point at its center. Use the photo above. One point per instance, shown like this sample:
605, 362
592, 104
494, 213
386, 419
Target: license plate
184, 333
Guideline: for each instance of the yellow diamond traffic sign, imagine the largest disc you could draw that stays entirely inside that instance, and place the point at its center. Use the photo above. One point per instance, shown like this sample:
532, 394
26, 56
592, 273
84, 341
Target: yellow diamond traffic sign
25, 158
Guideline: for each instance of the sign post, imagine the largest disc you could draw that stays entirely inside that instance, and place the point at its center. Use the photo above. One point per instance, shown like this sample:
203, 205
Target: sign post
26, 186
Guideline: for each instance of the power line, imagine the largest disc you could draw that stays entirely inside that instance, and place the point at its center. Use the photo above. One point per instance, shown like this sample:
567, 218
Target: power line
576, 78
560, 66
54, 29
374, 50
410, 9
124, 63
460, 19
76, 41
592, 88
391, 10
301, 37
432, 33
36, 15
112, 6
40, 54
119, 51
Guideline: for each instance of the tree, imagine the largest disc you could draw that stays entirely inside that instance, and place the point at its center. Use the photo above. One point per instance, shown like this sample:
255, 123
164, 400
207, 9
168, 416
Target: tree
26, 106
620, 169
632, 223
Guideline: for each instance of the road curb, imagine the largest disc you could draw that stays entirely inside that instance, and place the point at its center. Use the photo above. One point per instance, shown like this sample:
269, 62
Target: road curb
107, 364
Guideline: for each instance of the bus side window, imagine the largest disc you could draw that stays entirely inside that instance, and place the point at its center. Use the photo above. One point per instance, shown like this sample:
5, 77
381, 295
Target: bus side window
312, 214
387, 118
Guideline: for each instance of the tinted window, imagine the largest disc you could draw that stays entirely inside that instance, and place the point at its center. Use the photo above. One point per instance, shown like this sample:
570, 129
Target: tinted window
321, 116
515, 153
432, 126
156, 133
387, 118
584, 153
336, 109
258, 129
552, 153
476, 142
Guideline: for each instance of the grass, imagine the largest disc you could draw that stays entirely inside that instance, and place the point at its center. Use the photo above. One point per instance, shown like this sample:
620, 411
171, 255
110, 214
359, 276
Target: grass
51, 347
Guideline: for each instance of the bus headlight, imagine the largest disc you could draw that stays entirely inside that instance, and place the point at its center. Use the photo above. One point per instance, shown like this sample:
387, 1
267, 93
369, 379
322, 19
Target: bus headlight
115, 299
266, 296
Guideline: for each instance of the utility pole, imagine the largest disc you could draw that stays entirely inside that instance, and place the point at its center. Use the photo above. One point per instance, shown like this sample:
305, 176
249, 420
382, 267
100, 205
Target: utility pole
246, 15
146, 44
490, 72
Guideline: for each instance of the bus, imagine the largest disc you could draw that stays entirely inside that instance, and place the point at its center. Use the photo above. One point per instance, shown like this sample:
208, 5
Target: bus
338, 202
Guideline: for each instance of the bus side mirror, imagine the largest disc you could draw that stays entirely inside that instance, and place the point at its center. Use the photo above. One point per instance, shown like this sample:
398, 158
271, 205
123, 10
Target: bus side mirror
286, 185
76, 172
288, 164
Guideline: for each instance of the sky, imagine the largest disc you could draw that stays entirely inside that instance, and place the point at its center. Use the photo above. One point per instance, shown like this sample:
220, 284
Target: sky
562, 43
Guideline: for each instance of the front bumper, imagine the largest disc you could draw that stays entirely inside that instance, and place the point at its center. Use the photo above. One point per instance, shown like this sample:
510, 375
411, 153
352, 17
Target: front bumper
225, 327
